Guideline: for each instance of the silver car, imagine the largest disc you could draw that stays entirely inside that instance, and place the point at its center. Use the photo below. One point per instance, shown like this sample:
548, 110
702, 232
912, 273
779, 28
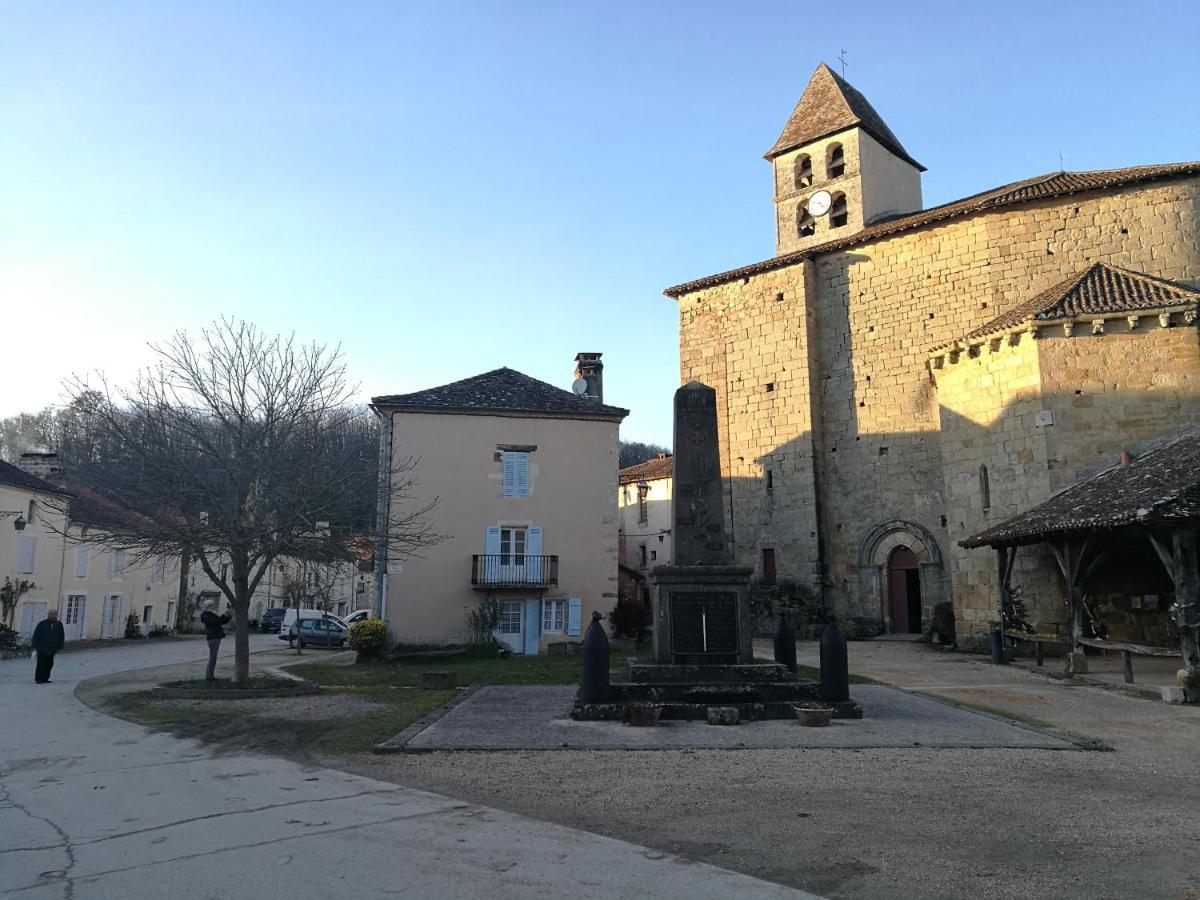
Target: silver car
326, 632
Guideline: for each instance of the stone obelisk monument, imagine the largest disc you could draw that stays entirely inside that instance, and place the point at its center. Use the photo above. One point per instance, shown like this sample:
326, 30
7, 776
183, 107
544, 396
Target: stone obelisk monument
702, 601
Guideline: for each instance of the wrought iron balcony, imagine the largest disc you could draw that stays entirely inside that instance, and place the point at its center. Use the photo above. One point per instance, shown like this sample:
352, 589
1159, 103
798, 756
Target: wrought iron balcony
512, 570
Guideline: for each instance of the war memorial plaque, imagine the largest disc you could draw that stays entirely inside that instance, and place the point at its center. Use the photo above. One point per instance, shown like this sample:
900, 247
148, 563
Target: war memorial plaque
704, 627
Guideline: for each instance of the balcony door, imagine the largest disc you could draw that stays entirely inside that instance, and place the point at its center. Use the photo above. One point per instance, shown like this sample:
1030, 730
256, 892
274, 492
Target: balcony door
513, 555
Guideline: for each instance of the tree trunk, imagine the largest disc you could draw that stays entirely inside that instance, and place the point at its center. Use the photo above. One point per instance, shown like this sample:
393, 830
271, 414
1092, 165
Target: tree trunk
182, 607
241, 641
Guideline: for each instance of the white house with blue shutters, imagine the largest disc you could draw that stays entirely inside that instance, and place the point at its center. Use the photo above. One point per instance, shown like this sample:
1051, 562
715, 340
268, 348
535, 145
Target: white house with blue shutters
524, 474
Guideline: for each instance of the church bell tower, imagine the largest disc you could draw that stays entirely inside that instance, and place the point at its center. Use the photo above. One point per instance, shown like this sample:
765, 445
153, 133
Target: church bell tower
838, 167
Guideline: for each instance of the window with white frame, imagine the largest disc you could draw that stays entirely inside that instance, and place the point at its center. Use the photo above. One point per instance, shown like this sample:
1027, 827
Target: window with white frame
74, 607
116, 564
82, 557
510, 616
554, 615
512, 546
514, 469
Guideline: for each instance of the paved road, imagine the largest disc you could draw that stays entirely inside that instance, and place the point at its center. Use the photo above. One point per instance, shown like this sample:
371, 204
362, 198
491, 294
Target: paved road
94, 807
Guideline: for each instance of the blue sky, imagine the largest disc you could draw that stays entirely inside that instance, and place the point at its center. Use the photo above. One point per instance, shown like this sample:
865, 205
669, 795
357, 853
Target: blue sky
448, 187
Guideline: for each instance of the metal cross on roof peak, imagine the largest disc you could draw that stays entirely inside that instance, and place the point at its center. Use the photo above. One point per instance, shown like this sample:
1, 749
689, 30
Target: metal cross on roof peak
842, 60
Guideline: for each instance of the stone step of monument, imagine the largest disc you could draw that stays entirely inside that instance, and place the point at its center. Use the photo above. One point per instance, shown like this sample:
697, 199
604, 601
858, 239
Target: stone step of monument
715, 693
644, 671
682, 711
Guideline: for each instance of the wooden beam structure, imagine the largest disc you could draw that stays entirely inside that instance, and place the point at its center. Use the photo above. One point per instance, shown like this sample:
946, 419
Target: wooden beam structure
1187, 596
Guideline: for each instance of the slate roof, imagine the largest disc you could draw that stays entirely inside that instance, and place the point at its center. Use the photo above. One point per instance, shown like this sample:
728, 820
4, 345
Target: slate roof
650, 470
828, 105
1043, 187
502, 392
1096, 290
1161, 485
17, 477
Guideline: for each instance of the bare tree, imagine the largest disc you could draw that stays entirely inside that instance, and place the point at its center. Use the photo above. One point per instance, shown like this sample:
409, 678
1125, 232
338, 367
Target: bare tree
238, 448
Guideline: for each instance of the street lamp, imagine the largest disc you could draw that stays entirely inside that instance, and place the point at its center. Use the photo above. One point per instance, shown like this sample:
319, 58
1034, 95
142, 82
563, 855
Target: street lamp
19, 523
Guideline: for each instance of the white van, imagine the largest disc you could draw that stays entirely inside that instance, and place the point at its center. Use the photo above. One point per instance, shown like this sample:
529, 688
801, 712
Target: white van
357, 616
288, 624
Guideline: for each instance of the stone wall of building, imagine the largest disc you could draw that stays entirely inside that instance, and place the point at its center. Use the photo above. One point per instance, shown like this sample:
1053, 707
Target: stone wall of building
864, 324
994, 465
1116, 392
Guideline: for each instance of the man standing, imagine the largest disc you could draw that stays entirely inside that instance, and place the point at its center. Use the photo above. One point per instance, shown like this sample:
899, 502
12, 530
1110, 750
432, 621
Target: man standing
213, 632
48, 639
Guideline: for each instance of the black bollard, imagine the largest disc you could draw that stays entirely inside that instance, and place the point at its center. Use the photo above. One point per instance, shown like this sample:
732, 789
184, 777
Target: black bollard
996, 645
785, 640
835, 670
593, 686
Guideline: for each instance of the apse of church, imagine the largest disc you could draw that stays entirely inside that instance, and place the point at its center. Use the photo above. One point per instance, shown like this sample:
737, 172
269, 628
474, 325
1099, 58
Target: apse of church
888, 367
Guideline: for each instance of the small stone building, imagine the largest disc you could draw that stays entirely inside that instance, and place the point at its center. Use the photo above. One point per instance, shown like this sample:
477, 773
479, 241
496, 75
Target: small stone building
896, 379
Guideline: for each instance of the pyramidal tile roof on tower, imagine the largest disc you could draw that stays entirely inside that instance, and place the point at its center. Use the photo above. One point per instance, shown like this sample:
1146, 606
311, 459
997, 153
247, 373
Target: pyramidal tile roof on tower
1043, 187
502, 391
1097, 290
831, 104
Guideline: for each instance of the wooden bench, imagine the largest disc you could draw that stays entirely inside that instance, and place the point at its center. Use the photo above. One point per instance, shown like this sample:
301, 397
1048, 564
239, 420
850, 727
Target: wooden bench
1128, 651
1038, 640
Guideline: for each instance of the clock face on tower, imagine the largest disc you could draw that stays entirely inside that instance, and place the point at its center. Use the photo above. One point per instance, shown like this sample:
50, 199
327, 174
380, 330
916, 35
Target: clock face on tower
819, 203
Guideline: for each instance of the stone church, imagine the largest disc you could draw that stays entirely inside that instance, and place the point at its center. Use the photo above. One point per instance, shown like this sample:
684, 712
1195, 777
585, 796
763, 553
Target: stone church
897, 378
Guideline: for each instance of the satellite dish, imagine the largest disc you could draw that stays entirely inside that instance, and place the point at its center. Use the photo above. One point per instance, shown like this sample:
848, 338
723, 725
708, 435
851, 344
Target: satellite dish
579, 386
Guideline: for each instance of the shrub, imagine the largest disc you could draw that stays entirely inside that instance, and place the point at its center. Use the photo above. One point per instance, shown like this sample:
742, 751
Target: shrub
484, 620
159, 631
368, 637
133, 627
630, 618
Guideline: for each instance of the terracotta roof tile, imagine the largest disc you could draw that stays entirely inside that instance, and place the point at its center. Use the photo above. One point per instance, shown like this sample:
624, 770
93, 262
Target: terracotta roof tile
1159, 485
650, 470
502, 391
1098, 289
828, 105
1043, 187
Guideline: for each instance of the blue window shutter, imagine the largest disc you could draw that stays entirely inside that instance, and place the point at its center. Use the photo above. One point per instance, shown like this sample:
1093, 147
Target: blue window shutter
508, 474
574, 615
491, 546
533, 626
522, 474
533, 554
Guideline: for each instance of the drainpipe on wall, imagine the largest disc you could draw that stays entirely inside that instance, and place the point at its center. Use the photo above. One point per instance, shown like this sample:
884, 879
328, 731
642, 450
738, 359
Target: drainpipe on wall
383, 511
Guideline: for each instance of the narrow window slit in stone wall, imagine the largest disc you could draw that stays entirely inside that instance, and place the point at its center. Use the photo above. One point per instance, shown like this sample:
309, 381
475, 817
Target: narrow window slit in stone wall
985, 488
770, 386
883, 451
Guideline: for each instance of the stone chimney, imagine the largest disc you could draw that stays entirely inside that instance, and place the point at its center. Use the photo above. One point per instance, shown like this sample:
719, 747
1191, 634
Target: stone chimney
590, 369
40, 463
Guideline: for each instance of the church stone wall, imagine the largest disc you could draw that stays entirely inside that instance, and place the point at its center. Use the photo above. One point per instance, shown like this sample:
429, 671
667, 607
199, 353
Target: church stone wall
1117, 392
989, 404
867, 320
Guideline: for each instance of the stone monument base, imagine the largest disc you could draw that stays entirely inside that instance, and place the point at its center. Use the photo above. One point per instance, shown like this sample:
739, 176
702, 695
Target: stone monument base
758, 690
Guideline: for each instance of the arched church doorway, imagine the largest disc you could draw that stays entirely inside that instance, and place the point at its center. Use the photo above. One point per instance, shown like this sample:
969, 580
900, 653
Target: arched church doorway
904, 591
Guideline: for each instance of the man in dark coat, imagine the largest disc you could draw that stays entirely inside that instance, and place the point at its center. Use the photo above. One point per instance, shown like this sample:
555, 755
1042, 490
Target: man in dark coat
48, 638
213, 632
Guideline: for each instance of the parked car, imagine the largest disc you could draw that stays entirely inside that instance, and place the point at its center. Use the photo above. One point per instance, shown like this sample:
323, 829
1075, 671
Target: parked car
325, 632
272, 620
357, 616
287, 626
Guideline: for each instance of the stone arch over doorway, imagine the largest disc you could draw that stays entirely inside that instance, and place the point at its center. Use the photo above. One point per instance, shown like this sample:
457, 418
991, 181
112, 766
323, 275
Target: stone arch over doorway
877, 584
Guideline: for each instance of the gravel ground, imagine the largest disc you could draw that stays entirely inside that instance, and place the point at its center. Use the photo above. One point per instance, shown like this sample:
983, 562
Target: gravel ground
889, 823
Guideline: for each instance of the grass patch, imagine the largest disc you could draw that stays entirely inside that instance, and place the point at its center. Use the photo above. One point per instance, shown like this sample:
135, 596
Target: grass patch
257, 682
306, 738
470, 671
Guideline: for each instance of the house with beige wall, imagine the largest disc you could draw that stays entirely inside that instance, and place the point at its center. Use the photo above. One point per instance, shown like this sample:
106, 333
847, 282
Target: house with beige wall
896, 378
524, 475
644, 514
93, 587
